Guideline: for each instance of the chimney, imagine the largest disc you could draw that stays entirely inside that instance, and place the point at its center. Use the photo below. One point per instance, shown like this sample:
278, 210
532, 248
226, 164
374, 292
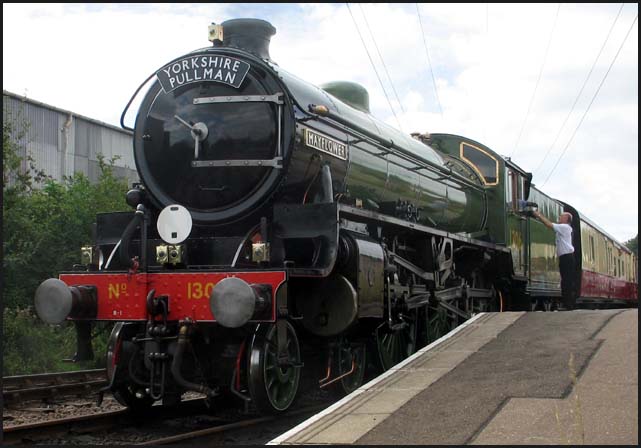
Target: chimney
252, 35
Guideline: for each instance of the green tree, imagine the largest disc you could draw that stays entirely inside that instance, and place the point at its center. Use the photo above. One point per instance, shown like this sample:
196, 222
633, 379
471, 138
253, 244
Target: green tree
45, 227
44, 223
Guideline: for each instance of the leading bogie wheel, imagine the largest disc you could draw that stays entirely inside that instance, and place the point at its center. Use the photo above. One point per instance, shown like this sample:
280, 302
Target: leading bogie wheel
136, 401
273, 387
119, 364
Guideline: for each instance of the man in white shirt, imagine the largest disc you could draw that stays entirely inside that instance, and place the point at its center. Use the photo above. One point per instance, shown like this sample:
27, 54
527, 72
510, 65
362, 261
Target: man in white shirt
565, 252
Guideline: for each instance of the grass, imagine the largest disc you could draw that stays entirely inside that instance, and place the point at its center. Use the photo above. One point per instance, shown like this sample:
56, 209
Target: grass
577, 430
31, 346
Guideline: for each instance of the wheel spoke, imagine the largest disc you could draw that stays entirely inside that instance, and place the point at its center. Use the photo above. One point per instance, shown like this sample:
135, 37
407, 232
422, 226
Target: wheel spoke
394, 346
270, 382
275, 391
397, 348
272, 386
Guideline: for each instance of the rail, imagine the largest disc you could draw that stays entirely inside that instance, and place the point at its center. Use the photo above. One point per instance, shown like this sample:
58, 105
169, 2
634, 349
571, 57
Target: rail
48, 385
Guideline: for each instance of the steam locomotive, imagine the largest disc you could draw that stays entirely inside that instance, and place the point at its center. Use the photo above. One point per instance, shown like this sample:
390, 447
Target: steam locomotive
272, 212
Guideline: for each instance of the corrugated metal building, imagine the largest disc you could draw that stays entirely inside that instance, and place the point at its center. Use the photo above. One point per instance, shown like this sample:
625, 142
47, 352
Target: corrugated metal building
62, 142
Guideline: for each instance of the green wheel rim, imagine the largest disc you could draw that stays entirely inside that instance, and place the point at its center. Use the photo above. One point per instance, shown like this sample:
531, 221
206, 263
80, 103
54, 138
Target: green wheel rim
439, 323
281, 383
396, 345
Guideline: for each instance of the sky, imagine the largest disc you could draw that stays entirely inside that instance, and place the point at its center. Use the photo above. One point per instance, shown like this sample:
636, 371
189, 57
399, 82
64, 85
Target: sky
511, 76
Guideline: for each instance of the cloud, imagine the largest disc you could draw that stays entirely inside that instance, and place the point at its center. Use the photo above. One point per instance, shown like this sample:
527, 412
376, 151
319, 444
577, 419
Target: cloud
486, 58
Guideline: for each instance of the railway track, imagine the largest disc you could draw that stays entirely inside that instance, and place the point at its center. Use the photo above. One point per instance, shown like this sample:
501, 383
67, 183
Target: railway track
21, 388
218, 430
68, 428
35, 432
76, 429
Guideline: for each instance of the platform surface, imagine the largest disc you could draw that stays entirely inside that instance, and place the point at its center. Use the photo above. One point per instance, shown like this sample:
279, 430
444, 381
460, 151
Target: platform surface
501, 378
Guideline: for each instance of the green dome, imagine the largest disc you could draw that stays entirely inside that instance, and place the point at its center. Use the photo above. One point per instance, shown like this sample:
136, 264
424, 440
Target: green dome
349, 93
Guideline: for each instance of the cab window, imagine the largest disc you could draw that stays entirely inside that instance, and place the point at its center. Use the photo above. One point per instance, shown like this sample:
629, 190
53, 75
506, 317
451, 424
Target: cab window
514, 189
486, 165
509, 190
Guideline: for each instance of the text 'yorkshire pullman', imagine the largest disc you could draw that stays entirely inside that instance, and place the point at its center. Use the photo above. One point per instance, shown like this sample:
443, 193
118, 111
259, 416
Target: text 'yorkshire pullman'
200, 68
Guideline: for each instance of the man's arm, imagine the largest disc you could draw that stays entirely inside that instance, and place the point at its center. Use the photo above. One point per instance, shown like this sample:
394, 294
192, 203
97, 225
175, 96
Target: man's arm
543, 219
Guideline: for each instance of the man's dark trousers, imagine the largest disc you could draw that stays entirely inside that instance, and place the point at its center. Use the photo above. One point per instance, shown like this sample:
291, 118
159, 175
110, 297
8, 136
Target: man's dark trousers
567, 268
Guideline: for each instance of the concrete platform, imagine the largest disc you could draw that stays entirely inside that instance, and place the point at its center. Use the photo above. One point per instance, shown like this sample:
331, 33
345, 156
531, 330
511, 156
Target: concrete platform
500, 378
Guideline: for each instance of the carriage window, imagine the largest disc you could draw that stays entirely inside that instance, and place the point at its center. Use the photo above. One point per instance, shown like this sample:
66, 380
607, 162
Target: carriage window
485, 164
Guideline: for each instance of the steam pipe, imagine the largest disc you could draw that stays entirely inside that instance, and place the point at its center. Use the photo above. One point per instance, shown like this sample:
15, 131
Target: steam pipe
143, 238
128, 233
326, 182
176, 364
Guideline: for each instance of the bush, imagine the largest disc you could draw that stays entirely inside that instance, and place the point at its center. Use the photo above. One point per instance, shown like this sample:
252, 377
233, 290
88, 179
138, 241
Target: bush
31, 346
44, 230
44, 224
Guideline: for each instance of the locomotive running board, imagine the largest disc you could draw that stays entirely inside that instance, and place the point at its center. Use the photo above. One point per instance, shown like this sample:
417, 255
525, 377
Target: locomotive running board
375, 216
